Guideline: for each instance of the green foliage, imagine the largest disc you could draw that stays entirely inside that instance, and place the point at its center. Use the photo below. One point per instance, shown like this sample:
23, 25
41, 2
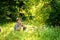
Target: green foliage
54, 14
33, 11
36, 15
9, 9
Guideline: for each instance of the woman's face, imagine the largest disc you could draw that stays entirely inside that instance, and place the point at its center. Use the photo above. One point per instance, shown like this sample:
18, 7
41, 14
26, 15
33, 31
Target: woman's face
19, 21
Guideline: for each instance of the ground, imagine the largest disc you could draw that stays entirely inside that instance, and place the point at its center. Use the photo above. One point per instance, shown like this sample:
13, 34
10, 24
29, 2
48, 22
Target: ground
31, 33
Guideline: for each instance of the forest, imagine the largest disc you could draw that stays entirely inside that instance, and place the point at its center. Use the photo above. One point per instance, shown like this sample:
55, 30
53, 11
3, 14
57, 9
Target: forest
41, 18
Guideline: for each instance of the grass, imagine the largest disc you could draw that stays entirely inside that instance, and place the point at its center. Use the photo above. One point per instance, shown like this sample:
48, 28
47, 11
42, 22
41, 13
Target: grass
31, 33
49, 34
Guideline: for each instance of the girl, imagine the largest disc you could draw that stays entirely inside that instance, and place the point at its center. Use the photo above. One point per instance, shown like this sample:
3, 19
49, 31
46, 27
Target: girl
18, 25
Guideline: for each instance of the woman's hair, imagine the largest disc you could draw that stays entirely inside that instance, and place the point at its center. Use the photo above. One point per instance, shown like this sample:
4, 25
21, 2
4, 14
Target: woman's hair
18, 19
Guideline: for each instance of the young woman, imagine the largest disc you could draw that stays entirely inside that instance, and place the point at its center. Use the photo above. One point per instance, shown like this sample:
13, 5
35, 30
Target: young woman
19, 24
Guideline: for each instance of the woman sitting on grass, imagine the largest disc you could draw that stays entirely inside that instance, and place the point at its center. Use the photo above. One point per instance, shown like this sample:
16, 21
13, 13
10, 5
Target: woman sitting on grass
19, 24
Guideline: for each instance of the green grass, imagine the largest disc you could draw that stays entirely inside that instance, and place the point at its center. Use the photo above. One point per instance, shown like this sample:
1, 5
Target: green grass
49, 34
31, 33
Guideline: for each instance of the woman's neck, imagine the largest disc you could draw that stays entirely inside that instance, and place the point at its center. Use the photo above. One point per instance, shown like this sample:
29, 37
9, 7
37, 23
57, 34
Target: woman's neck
19, 23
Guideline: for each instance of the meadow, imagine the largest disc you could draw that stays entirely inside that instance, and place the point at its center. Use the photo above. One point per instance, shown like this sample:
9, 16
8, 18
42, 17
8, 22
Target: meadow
31, 33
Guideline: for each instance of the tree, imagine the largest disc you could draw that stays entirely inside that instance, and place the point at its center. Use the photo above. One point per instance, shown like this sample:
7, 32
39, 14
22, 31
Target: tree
54, 18
9, 9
